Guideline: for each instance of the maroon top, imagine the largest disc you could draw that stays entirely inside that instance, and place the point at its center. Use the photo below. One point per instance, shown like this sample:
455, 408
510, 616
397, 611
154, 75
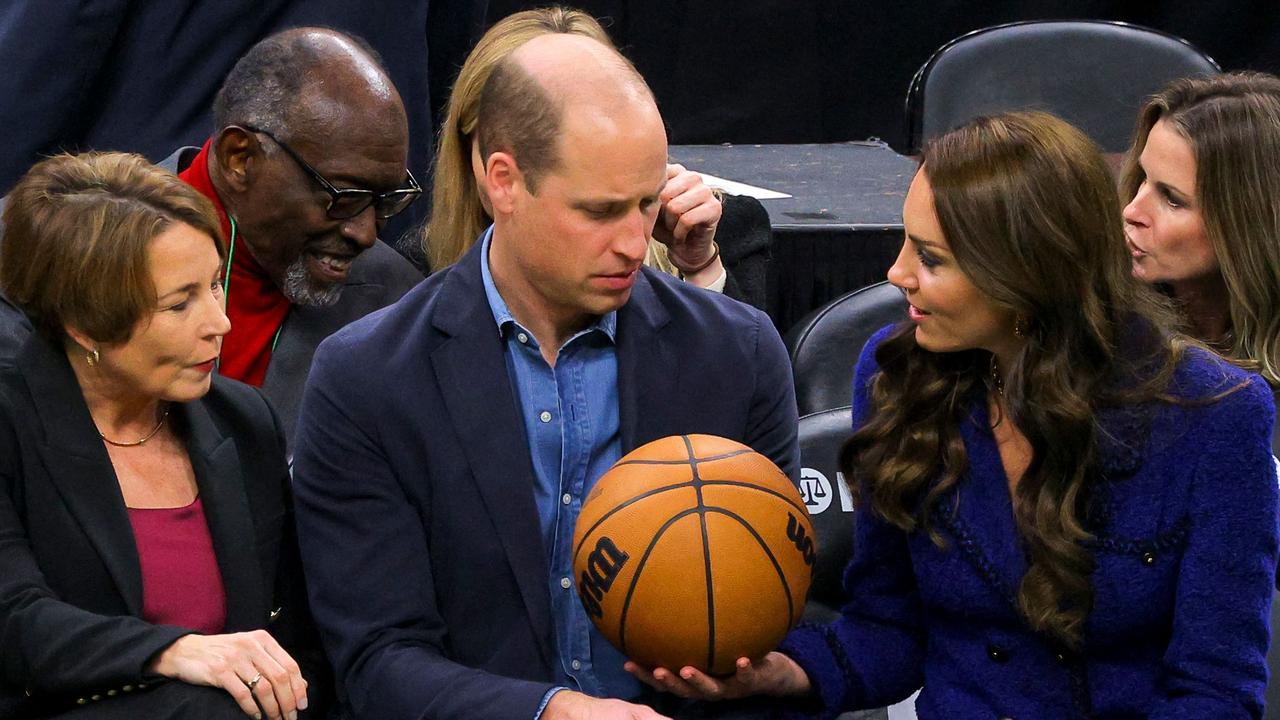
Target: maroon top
181, 583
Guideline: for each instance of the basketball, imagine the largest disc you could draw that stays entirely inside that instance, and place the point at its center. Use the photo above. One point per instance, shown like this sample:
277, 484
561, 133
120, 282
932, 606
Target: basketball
693, 550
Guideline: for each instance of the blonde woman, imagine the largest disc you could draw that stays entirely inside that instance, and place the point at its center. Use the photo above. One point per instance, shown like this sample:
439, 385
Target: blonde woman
1203, 221
684, 242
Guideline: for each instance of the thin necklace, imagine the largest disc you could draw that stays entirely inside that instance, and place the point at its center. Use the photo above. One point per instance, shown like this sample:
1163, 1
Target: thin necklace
997, 380
136, 443
997, 384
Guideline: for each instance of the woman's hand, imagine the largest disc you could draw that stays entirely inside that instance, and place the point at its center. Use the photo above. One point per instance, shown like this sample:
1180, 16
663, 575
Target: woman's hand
251, 666
687, 224
775, 674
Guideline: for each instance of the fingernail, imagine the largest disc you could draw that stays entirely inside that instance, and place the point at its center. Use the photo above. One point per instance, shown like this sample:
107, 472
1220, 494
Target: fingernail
257, 716
293, 715
302, 704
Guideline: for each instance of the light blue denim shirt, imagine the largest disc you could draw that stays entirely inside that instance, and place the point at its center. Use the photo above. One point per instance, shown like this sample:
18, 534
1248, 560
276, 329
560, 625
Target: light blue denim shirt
570, 415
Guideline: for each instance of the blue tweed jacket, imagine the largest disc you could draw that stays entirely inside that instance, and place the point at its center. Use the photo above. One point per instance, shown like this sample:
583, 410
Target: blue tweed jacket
1185, 558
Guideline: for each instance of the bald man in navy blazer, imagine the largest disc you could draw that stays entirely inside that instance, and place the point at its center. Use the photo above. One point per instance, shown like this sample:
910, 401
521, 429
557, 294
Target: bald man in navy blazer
445, 443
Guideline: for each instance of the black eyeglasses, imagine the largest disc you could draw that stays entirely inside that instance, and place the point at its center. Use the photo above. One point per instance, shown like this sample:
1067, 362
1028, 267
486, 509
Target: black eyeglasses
345, 203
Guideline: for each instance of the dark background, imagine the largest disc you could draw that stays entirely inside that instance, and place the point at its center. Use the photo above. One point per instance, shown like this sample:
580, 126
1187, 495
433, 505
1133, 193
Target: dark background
140, 74
769, 71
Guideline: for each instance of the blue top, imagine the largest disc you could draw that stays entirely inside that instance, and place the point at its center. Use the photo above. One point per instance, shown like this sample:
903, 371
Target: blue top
1185, 555
570, 415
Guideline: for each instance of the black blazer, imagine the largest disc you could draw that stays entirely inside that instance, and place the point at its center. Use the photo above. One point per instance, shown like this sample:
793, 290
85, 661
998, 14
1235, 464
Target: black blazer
70, 583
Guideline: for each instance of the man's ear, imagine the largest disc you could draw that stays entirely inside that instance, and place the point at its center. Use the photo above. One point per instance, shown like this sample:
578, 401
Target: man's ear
504, 181
237, 153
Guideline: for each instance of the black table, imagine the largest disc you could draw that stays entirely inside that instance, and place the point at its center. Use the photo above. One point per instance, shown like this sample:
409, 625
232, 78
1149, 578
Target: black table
840, 230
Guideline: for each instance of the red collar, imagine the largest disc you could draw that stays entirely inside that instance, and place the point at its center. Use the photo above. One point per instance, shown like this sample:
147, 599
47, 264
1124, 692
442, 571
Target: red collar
255, 305
197, 176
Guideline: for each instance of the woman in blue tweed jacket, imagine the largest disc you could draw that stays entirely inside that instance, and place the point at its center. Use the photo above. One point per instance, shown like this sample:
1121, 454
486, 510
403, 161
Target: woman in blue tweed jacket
1064, 511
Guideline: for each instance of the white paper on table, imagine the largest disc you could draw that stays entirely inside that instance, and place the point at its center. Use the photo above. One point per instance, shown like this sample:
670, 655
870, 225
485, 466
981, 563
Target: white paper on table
736, 188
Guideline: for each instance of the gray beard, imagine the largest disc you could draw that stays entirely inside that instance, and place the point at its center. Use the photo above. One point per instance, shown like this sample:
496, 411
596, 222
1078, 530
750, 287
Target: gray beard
300, 289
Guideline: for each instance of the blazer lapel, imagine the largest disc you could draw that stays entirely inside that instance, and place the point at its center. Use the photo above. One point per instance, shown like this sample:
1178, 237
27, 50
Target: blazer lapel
306, 327
471, 372
78, 465
302, 332
646, 360
226, 506
978, 512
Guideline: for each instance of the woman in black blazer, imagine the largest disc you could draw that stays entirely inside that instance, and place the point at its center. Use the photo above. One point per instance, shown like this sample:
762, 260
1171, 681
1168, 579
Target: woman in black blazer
148, 566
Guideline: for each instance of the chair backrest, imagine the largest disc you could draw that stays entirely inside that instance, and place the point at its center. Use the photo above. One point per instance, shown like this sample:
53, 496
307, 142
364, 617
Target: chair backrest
745, 237
825, 344
830, 507
1095, 74
831, 512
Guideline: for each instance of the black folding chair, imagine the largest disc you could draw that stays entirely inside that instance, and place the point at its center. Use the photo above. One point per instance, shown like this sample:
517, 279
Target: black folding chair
1094, 74
824, 346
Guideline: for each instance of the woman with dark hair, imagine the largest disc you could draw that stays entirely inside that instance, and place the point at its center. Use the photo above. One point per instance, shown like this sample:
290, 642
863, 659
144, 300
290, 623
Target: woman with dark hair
1062, 509
148, 566
1202, 182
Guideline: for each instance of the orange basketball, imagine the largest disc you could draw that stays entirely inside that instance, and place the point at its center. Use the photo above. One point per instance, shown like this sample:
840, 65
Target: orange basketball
693, 550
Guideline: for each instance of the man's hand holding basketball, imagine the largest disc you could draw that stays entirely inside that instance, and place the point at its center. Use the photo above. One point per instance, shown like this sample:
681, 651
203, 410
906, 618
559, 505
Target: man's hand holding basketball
570, 705
775, 674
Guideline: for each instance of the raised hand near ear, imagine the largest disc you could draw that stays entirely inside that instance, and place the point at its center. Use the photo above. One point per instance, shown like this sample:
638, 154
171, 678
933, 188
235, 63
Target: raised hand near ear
687, 225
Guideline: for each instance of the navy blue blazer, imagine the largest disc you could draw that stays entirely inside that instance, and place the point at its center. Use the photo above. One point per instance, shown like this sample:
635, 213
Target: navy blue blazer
414, 482
1185, 555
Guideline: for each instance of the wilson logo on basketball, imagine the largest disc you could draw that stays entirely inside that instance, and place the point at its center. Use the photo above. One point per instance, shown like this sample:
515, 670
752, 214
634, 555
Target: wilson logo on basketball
797, 535
603, 565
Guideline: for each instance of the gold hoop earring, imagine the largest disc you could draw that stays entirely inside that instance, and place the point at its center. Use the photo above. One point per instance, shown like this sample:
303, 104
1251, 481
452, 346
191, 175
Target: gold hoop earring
92, 357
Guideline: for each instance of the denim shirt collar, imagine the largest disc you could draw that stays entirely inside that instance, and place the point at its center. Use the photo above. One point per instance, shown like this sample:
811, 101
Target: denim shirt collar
502, 316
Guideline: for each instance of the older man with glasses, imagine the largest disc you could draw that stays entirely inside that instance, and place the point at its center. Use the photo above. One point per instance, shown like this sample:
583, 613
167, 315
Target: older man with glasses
305, 166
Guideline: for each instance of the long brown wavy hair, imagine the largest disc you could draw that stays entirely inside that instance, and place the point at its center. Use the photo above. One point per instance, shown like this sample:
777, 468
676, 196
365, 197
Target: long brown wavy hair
1232, 123
1029, 209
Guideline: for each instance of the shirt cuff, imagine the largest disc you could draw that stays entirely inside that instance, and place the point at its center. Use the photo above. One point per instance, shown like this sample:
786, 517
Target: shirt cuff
717, 285
546, 699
